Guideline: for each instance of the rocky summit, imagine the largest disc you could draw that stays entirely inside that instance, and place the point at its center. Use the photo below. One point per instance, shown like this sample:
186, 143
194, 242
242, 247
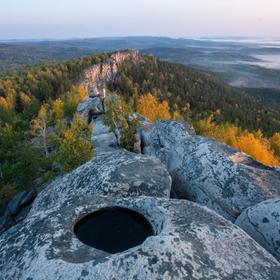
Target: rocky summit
206, 210
209, 172
189, 240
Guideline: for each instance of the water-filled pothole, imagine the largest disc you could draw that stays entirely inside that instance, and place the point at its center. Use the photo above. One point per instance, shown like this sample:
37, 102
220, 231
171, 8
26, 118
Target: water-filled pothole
113, 229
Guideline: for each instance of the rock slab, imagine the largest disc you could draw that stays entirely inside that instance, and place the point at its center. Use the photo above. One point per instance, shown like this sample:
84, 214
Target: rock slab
262, 222
191, 242
118, 174
210, 172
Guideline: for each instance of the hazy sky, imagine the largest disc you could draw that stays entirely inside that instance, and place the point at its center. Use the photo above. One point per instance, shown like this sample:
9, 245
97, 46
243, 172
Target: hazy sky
175, 18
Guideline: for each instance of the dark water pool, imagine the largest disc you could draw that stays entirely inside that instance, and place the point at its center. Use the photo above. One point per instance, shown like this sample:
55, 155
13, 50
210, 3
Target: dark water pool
113, 229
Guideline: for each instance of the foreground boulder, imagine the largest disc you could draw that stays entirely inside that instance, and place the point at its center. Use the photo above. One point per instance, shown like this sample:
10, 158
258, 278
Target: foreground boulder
117, 174
262, 222
210, 172
190, 242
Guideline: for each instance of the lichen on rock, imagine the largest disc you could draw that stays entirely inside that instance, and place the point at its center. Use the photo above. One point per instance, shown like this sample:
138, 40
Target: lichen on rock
190, 242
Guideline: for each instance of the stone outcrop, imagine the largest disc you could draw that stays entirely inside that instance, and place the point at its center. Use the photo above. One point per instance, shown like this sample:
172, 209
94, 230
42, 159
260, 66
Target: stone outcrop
97, 77
90, 107
209, 172
262, 222
103, 138
118, 174
190, 242
16, 210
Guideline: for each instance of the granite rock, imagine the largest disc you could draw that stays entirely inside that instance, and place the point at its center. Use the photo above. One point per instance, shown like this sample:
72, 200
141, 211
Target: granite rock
262, 222
118, 174
210, 172
191, 242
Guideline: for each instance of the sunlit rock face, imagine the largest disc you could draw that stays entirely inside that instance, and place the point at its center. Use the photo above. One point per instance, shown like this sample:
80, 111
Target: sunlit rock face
118, 174
97, 77
189, 242
210, 172
262, 222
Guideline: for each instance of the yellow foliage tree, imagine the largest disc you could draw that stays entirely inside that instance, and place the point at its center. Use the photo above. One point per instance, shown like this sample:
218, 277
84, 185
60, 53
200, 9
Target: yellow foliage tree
253, 144
39, 127
151, 108
259, 148
73, 98
58, 109
75, 144
6, 104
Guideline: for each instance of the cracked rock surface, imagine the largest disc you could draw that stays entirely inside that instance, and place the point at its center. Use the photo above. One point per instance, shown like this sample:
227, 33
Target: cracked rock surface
210, 172
191, 242
118, 174
262, 222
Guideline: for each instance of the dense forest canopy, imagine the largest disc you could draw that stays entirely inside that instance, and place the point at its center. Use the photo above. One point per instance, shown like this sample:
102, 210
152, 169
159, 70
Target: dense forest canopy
39, 131
195, 95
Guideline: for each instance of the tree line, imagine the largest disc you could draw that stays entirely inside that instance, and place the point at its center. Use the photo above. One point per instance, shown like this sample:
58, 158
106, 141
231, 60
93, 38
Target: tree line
40, 134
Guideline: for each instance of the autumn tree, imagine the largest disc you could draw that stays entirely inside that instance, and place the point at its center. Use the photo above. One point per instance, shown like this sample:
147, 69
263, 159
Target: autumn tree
150, 107
254, 144
58, 109
72, 100
75, 146
258, 147
121, 120
39, 127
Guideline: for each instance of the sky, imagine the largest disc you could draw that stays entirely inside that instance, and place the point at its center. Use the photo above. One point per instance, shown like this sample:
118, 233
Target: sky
34, 19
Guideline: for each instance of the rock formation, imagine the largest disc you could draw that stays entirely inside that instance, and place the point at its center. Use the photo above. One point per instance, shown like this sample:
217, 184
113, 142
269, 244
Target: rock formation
103, 138
90, 107
118, 174
190, 242
97, 77
262, 222
209, 172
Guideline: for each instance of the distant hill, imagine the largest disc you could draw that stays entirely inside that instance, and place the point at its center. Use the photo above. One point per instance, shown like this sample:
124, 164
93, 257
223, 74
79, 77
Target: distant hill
239, 63
198, 95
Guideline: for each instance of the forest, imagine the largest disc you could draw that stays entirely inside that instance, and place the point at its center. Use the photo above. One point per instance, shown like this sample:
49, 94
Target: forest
163, 90
196, 95
41, 136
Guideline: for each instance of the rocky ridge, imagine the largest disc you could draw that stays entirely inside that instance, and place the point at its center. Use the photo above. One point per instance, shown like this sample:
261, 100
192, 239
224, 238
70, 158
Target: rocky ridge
97, 77
214, 185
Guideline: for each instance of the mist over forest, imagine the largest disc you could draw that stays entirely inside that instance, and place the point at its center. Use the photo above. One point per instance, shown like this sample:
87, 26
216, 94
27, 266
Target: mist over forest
250, 63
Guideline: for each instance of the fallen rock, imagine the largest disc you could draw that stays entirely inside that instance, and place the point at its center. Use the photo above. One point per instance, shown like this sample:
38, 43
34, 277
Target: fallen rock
262, 222
190, 242
90, 107
210, 172
118, 174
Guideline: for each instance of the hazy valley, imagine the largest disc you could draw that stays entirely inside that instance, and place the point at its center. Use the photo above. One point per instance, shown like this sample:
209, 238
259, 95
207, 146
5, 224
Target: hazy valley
252, 63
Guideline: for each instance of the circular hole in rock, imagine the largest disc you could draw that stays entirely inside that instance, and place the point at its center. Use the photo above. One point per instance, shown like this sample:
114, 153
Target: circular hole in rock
113, 229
